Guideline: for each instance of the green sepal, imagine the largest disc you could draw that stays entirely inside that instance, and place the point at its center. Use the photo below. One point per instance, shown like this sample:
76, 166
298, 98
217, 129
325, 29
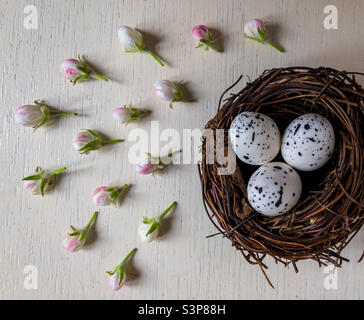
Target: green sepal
83, 234
208, 44
46, 114
139, 48
262, 34
43, 184
33, 178
93, 145
86, 72
154, 226
115, 193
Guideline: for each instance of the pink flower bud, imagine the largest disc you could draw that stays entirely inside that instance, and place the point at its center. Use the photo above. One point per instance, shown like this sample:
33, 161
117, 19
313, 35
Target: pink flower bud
165, 90
83, 139
88, 140
201, 32
71, 244
105, 196
37, 115
148, 230
152, 164
41, 182
29, 115
78, 70
255, 30
251, 28
143, 233
114, 281
118, 277
121, 115
125, 114
101, 197
69, 69
146, 167
169, 91
33, 187
204, 37
132, 41
77, 238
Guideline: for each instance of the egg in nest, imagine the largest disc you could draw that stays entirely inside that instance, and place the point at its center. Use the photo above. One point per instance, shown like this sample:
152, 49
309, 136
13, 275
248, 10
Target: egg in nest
308, 142
274, 189
255, 138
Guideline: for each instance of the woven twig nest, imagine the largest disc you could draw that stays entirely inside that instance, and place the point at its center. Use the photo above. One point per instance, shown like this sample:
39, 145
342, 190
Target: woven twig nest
330, 211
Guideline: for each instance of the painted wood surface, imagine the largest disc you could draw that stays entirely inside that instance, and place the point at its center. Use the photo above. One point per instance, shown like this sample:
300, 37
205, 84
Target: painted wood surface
183, 264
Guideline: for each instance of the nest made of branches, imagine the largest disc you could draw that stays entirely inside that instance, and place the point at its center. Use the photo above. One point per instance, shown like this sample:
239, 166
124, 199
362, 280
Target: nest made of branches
330, 211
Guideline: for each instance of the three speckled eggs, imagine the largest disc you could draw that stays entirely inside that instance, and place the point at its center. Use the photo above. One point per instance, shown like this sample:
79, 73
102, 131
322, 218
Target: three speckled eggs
307, 144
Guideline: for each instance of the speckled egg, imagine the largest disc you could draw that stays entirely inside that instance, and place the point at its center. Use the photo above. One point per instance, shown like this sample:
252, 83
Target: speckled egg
274, 189
255, 138
308, 142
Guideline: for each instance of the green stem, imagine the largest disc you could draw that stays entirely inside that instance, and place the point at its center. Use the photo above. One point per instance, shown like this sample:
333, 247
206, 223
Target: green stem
274, 46
112, 142
187, 100
213, 47
154, 57
144, 113
170, 155
58, 171
61, 114
93, 218
167, 210
97, 76
127, 257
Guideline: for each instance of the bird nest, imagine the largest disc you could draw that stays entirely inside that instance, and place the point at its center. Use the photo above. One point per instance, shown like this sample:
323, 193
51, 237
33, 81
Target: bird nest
330, 211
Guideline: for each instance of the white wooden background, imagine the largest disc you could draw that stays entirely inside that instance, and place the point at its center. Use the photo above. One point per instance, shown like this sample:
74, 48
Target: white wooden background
183, 264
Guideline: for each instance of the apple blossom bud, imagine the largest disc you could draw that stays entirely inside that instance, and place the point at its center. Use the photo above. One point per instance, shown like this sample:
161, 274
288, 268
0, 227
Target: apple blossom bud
36, 115
204, 37
169, 91
125, 114
118, 277
255, 30
115, 283
33, 187
88, 140
77, 238
152, 164
69, 69
148, 230
146, 167
105, 196
133, 41
78, 70
144, 235
41, 182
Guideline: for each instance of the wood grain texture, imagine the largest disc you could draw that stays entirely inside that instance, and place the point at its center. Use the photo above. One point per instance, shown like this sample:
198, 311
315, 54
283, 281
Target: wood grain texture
183, 264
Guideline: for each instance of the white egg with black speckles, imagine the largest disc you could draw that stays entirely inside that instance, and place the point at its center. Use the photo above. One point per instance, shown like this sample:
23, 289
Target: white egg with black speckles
274, 189
255, 138
308, 142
